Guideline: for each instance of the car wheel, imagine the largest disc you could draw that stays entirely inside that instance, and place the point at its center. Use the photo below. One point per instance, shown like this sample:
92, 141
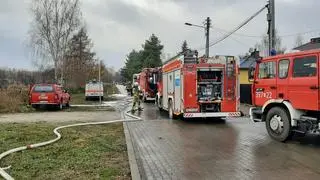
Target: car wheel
278, 124
35, 106
60, 106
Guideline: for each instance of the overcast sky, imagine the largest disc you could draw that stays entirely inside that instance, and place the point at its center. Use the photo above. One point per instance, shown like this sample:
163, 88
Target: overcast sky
118, 26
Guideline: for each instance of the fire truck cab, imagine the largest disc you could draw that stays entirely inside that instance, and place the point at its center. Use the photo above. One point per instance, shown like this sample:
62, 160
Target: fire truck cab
285, 93
199, 88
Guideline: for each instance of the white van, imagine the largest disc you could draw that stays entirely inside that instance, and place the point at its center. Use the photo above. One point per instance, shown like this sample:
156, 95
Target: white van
94, 90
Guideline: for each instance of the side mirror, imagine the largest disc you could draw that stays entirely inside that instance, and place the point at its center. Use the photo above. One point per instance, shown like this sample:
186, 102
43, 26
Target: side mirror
251, 74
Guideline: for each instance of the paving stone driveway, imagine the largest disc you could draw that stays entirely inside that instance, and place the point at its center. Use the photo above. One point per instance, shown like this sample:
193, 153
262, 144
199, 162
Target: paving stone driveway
234, 149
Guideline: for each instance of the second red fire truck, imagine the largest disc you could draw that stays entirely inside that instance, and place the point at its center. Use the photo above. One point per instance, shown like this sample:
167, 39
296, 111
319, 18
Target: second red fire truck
285, 93
199, 87
148, 83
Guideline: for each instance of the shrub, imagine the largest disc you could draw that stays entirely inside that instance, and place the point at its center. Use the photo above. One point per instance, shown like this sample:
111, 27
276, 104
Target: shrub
14, 99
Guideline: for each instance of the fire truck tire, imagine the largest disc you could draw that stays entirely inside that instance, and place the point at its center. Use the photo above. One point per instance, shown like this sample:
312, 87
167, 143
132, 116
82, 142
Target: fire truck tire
278, 124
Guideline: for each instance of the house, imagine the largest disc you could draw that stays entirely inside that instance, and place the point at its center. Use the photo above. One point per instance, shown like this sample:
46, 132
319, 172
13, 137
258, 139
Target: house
313, 44
245, 86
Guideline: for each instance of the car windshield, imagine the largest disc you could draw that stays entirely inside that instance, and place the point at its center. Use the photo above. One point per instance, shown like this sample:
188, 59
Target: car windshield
43, 88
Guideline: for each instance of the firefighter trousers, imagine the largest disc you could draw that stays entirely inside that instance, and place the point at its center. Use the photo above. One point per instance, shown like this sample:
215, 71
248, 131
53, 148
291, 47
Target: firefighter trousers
136, 100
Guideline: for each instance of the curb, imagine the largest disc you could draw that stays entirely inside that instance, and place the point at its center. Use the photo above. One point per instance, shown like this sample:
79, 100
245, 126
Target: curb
135, 174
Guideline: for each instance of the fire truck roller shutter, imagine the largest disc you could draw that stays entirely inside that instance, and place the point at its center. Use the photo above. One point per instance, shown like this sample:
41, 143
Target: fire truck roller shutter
177, 91
165, 90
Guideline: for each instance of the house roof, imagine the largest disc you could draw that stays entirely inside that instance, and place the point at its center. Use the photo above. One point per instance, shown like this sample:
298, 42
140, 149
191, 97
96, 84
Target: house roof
313, 44
248, 62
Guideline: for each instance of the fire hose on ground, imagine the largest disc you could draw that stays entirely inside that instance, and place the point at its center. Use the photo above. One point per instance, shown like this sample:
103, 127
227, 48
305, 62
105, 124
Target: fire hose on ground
7, 176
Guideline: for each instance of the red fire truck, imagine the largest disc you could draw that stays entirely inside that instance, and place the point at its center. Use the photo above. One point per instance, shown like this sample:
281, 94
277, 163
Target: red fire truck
148, 83
285, 93
199, 88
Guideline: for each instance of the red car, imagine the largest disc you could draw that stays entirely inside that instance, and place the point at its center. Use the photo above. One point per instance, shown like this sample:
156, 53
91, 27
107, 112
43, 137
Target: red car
49, 95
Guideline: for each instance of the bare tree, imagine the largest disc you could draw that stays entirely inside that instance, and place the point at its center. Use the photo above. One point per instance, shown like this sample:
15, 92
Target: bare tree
298, 41
54, 22
263, 46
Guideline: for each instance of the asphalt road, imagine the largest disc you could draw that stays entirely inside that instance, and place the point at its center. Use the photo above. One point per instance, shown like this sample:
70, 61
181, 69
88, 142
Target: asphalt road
207, 149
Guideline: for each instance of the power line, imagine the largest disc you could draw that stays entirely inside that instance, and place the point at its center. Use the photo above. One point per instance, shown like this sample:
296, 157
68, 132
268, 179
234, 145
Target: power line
235, 39
256, 36
239, 27
302, 33
238, 34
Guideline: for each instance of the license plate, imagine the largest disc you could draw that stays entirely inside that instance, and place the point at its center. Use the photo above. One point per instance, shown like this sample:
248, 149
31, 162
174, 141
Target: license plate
43, 102
43, 97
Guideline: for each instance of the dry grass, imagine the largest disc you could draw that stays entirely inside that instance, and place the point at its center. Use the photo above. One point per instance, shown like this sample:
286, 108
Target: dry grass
14, 99
88, 152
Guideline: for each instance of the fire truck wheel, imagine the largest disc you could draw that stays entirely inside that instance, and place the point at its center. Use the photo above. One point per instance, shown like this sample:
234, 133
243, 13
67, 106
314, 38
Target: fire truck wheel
278, 124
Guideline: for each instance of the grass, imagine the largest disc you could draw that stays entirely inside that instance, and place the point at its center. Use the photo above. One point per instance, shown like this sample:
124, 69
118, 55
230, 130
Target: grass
89, 152
14, 99
79, 97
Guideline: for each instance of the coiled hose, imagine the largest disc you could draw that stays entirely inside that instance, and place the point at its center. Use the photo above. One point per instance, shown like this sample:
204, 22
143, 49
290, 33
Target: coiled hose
7, 176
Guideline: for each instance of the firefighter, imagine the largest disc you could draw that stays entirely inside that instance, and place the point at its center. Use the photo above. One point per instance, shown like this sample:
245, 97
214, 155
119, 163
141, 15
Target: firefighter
136, 97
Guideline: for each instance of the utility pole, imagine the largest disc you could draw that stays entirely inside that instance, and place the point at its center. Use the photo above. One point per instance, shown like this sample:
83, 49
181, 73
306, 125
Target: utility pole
207, 28
100, 81
271, 25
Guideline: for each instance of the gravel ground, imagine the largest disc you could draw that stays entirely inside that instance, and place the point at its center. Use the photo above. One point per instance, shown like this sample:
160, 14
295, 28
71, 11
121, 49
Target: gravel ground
59, 117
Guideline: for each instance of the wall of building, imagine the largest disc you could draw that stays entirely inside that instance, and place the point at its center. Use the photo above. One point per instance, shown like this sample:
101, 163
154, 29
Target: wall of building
244, 76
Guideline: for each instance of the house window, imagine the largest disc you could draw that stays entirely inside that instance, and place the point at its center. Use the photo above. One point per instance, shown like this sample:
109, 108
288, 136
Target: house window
305, 66
267, 70
283, 68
